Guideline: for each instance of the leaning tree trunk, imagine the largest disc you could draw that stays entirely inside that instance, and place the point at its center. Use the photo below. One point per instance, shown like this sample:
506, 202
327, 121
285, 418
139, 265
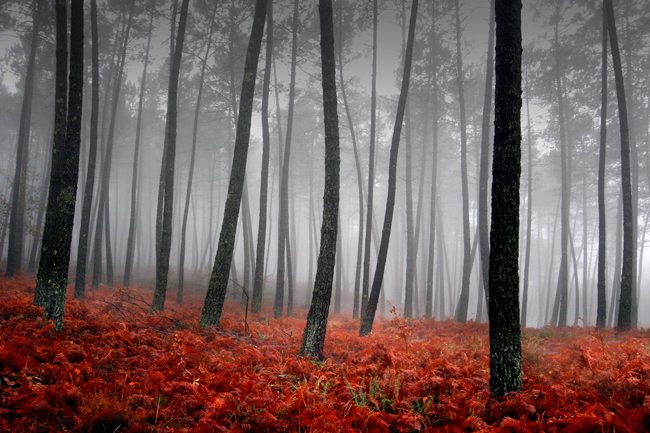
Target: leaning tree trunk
601, 305
214, 299
371, 166
130, 240
165, 206
190, 175
17, 212
313, 337
258, 280
283, 218
627, 275
369, 313
52, 278
463, 302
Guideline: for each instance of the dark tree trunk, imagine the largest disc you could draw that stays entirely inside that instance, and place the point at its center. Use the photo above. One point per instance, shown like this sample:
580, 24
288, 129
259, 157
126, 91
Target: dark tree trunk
601, 305
371, 166
84, 231
505, 332
190, 175
368, 316
216, 294
258, 280
17, 212
313, 337
627, 274
283, 219
484, 164
130, 240
52, 278
166, 205
463, 302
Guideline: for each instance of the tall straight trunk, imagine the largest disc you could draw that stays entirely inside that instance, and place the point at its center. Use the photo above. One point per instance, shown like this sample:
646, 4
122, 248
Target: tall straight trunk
357, 163
165, 206
529, 213
484, 163
618, 259
42, 201
428, 311
463, 302
190, 175
505, 331
84, 230
52, 278
102, 223
130, 243
211, 314
258, 279
313, 337
627, 274
338, 269
365, 292
369, 313
562, 297
283, 218
17, 212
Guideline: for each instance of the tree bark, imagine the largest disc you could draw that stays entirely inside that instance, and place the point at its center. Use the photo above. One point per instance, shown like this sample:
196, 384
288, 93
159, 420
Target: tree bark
601, 305
52, 278
216, 294
505, 332
313, 337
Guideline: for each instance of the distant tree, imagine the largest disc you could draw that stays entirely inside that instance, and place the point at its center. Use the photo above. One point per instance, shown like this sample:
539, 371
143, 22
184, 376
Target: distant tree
627, 275
52, 278
214, 299
165, 207
503, 310
368, 316
601, 305
313, 337
17, 212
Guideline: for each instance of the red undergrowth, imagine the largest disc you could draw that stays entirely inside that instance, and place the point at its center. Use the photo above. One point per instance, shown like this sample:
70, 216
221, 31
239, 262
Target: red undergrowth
115, 367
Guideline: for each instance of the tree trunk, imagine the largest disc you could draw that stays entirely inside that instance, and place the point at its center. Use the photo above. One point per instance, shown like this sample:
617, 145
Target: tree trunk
216, 294
463, 302
17, 212
484, 164
190, 175
258, 280
371, 166
529, 213
505, 332
313, 337
165, 206
52, 278
130, 242
369, 313
627, 275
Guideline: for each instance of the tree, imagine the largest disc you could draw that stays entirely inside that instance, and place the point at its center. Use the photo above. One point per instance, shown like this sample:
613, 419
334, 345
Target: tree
627, 274
368, 315
313, 337
601, 305
84, 230
17, 215
258, 279
214, 299
283, 217
52, 278
503, 309
165, 206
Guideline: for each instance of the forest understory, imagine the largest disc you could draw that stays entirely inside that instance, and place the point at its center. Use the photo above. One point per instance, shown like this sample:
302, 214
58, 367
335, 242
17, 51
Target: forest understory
116, 367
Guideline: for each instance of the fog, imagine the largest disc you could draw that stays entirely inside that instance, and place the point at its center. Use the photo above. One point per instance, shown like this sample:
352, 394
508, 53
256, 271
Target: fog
550, 26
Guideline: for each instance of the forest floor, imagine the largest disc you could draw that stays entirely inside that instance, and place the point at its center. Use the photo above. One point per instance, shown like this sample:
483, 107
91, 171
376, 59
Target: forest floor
115, 367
